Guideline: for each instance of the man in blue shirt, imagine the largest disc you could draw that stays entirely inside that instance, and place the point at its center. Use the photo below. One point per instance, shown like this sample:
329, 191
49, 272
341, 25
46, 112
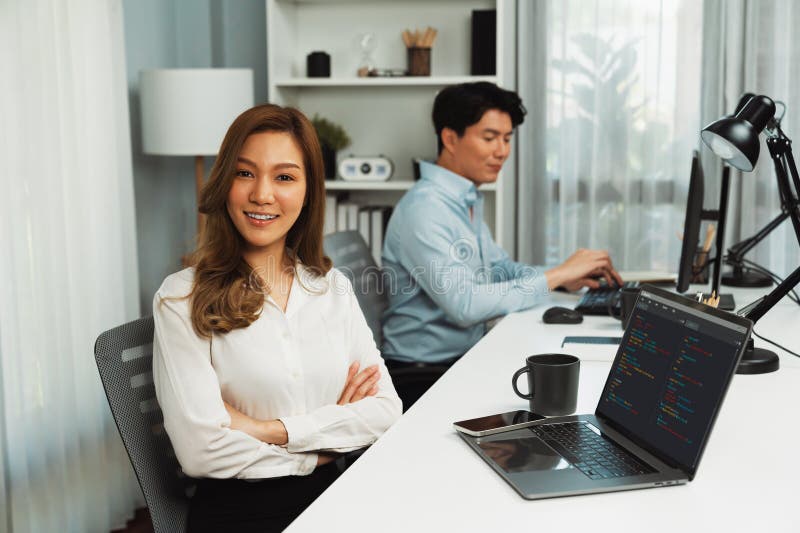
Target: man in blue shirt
445, 275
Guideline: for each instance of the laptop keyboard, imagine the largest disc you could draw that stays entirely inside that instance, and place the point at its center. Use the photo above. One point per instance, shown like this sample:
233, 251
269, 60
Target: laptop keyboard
598, 301
595, 456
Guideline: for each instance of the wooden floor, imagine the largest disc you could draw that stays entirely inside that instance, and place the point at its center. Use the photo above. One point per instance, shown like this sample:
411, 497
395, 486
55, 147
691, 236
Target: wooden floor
139, 524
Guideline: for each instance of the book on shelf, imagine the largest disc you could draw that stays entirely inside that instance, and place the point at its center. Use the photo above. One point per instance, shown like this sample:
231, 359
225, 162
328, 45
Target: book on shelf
330, 214
363, 224
341, 217
369, 221
379, 219
352, 216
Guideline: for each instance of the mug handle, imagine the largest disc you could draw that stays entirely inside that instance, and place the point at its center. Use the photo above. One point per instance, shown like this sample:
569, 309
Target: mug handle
517, 374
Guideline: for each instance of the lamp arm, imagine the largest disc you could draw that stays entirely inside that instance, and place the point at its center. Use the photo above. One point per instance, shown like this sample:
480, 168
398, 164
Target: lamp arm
780, 147
769, 301
737, 251
793, 199
791, 165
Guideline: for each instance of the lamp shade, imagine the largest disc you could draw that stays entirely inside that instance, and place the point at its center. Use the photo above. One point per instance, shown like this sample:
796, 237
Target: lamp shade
743, 101
735, 139
188, 111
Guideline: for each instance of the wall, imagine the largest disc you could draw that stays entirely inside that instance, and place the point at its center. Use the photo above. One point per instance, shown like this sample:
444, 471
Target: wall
180, 34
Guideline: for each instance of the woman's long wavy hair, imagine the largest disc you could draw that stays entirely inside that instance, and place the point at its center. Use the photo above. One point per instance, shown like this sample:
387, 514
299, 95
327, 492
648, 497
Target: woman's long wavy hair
227, 294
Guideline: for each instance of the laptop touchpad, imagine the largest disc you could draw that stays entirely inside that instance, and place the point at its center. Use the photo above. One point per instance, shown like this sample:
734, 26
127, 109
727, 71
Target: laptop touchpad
523, 454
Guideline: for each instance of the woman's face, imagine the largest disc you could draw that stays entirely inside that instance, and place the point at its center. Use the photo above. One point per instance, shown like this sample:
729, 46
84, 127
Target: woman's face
268, 193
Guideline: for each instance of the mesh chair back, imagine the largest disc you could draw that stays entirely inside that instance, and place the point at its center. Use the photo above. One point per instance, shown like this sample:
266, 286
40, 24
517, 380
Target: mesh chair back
124, 358
351, 255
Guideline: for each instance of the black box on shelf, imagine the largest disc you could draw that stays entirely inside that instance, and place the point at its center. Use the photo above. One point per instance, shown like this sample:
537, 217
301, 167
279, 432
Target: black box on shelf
318, 65
484, 42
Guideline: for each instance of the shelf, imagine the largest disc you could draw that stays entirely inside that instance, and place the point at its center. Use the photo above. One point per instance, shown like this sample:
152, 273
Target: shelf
341, 185
398, 81
396, 185
345, 2
384, 115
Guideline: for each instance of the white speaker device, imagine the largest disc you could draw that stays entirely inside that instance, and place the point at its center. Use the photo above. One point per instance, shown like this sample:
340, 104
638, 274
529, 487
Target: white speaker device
378, 168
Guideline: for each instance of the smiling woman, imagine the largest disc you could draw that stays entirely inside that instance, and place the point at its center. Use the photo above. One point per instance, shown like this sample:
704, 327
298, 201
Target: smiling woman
264, 366
267, 195
268, 151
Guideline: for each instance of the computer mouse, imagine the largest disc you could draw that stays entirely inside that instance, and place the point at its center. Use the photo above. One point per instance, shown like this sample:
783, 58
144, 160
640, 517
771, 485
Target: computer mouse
562, 315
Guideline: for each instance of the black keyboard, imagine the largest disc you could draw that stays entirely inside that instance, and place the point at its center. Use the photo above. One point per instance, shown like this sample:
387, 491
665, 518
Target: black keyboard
595, 456
598, 301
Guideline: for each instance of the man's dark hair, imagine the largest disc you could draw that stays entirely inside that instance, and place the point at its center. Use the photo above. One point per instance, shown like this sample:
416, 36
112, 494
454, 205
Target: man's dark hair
459, 106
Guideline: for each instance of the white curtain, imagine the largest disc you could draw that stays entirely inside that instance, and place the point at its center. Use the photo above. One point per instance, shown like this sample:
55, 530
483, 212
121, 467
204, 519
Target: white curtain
614, 93
774, 73
68, 263
754, 48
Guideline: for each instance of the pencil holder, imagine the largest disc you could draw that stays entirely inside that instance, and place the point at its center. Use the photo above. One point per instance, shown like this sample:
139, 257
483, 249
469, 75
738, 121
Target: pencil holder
700, 266
419, 61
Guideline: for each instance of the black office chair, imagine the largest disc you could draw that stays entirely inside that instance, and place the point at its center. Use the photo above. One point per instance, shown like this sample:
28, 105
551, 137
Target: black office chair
414, 381
352, 256
124, 357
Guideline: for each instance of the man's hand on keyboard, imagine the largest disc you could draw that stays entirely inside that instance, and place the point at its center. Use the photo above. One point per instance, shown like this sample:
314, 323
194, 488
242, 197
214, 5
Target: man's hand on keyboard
582, 269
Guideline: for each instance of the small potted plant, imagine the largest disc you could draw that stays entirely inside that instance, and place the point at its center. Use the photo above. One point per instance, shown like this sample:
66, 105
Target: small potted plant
332, 138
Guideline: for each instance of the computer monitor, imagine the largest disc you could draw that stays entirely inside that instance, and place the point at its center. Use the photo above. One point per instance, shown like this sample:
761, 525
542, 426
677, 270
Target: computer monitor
691, 224
695, 215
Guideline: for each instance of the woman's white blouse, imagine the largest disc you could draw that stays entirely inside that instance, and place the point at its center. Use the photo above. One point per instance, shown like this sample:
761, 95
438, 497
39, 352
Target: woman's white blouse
290, 366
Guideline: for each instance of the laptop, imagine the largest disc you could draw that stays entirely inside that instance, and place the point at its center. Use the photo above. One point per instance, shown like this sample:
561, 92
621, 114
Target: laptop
655, 414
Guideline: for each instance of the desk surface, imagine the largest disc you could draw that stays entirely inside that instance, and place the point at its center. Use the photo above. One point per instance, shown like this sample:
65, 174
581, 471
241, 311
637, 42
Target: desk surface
420, 476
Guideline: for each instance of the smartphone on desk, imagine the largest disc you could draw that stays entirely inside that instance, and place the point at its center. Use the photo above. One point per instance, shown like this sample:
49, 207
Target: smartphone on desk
488, 425
590, 340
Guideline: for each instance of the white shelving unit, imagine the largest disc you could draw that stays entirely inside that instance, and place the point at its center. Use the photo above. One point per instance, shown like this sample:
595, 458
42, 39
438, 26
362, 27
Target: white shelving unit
393, 185
395, 81
383, 116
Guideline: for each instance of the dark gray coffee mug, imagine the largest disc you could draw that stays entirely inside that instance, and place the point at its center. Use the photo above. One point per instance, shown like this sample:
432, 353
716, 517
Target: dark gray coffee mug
552, 382
627, 301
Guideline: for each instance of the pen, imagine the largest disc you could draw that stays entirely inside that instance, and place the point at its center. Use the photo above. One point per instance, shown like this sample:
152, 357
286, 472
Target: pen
710, 231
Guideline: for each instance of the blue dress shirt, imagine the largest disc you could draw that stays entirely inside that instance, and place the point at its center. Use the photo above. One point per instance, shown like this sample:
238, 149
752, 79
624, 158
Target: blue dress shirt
444, 274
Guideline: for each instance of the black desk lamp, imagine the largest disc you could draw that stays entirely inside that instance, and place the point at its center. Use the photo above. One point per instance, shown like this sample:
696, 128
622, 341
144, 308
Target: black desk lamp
735, 140
741, 276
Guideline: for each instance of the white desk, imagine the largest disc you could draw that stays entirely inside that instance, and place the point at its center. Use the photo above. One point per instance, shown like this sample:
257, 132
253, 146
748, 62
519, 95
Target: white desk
420, 476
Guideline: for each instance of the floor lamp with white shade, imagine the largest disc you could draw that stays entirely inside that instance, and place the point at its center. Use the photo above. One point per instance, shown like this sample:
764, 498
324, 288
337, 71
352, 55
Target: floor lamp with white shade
186, 112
